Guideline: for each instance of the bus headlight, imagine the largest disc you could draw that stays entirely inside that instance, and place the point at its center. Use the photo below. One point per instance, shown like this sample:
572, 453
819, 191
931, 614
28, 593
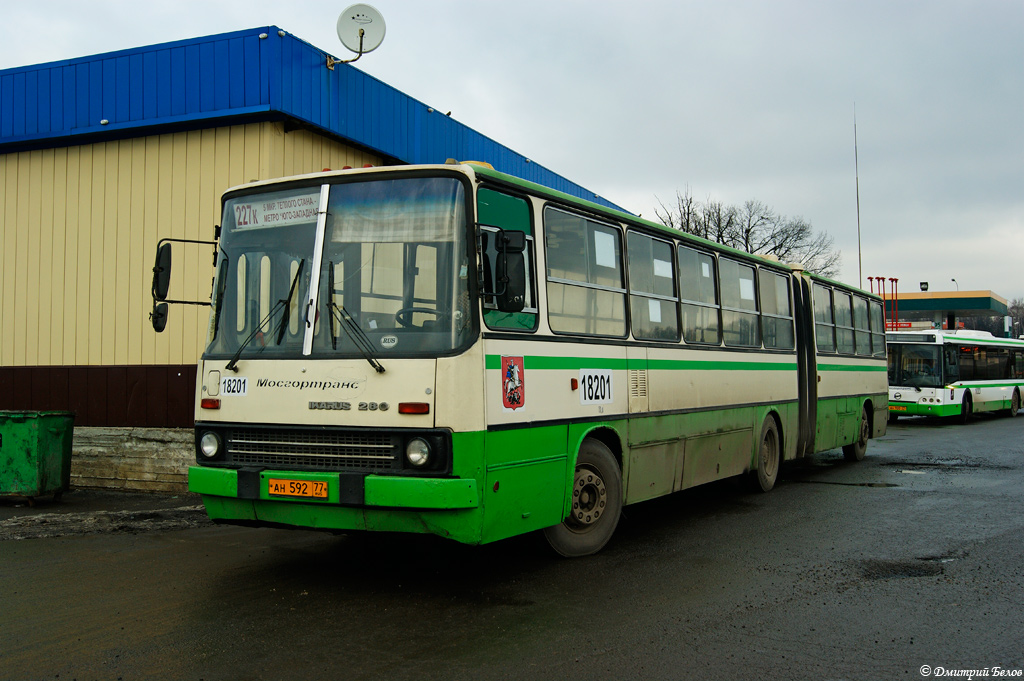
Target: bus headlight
417, 452
209, 445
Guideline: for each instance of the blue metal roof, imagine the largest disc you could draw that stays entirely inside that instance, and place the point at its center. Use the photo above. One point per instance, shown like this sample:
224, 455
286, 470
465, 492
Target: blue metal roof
261, 73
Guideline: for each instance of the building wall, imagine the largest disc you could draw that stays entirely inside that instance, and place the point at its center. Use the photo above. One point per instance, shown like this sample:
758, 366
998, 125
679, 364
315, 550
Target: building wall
79, 228
139, 459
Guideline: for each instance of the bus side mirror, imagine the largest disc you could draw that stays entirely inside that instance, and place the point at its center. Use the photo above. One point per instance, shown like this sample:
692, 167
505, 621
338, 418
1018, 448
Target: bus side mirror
162, 272
162, 281
511, 241
511, 271
159, 316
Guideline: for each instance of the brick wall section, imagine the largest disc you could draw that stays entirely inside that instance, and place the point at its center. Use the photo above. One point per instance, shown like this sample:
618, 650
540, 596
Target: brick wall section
138, 459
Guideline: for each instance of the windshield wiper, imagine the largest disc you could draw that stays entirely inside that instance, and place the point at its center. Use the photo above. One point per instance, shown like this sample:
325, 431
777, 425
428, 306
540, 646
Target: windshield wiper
355, 332
283, 303
288, 302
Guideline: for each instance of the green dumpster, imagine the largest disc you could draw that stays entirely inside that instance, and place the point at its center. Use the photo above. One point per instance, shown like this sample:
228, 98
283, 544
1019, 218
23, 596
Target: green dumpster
35, 452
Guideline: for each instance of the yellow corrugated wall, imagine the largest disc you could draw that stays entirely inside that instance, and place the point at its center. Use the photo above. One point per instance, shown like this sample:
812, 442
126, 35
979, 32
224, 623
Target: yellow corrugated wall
79, 230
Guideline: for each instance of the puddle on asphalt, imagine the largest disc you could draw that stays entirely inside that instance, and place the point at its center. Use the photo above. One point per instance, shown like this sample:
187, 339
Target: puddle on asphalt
850, 484
899, 569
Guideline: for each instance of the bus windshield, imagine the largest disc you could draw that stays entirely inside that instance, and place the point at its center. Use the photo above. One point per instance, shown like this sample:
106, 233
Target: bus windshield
392, 277
915, 366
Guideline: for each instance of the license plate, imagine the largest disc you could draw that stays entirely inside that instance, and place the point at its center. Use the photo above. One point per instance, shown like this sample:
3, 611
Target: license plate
305, 489
893, 407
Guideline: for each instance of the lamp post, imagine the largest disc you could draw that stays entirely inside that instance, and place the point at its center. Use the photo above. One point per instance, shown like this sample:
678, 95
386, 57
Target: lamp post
957, 285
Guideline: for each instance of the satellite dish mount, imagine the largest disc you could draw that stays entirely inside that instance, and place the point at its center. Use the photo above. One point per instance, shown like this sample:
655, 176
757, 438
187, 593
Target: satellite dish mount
360, 29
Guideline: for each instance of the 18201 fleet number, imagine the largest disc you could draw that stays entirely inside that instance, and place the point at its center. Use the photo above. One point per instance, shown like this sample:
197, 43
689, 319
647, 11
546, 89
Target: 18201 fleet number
596, 386
230, 385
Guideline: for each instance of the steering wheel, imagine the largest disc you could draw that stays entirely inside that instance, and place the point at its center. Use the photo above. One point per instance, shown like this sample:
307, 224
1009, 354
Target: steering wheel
402, 316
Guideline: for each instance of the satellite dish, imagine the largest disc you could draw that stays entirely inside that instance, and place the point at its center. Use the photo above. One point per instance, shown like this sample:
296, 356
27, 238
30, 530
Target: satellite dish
361, 28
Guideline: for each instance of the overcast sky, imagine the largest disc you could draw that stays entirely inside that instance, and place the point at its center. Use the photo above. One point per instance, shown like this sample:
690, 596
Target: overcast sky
731, 100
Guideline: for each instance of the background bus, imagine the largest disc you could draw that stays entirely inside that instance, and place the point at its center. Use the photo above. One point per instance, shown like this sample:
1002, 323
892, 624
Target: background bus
450, 349
953, 374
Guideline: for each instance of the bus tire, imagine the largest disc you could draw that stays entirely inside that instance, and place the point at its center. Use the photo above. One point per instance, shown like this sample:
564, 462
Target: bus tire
596, 503
857, 450
768, 457
966, 408
1015, 402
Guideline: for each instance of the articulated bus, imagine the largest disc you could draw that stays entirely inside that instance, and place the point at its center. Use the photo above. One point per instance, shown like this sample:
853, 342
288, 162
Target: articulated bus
953, 374
449, 349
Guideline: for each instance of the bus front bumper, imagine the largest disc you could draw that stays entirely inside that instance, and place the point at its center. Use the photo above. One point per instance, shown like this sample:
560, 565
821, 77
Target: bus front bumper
445, 506
922, 409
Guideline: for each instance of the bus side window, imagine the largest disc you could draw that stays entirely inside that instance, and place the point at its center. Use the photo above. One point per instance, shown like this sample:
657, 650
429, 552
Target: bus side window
824, 321
966, 360
998, 364
654, 310
877, 319
497, 210
776, 312
586, 291
862, 337
952, 369
699, 296
740, 323
843, 307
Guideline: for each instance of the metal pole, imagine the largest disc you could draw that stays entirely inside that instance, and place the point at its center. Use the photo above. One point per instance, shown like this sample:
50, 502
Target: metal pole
895, 303
885, 309
856, 171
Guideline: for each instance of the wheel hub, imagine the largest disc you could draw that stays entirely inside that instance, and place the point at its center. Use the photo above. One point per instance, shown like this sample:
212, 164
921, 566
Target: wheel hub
589, 498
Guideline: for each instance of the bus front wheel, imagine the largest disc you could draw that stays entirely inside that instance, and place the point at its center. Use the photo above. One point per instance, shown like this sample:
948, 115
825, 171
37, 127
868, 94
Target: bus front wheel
966, 407
768, 456
1015, 403
596, 503
856, 451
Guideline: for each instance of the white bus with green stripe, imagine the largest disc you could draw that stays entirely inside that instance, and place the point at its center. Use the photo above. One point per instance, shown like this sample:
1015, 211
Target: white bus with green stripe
954, 374
452, 350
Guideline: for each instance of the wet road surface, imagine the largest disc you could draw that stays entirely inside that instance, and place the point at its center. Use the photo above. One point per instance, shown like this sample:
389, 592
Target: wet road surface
845, 571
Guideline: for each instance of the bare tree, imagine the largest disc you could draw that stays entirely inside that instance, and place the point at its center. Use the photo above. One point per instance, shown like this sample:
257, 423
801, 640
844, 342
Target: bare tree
754, 228
718, 222
1016, 311
683, 217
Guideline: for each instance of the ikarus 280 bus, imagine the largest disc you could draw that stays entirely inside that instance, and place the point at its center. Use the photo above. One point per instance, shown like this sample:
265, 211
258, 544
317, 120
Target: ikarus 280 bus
452, 350
954, 374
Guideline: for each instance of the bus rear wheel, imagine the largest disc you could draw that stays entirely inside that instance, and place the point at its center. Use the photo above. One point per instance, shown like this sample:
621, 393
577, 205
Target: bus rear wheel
857, 450
768, 457
596, 503
1015, 403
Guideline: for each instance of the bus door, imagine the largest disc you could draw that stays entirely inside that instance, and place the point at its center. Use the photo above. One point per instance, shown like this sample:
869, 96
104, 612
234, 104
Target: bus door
807, 372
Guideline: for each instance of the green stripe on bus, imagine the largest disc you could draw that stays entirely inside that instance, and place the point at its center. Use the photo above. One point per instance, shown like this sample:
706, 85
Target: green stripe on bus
710, 365
537, 362
561, 363
851, 367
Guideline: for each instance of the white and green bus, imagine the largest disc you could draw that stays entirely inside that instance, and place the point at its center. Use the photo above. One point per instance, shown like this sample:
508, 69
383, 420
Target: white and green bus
953, 374
452, 350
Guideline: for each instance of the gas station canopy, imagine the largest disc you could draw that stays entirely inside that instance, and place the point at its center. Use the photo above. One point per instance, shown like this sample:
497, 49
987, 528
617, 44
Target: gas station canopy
940, 306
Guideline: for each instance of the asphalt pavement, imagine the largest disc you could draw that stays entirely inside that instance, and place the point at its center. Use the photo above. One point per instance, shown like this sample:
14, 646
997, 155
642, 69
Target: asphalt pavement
87, 511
